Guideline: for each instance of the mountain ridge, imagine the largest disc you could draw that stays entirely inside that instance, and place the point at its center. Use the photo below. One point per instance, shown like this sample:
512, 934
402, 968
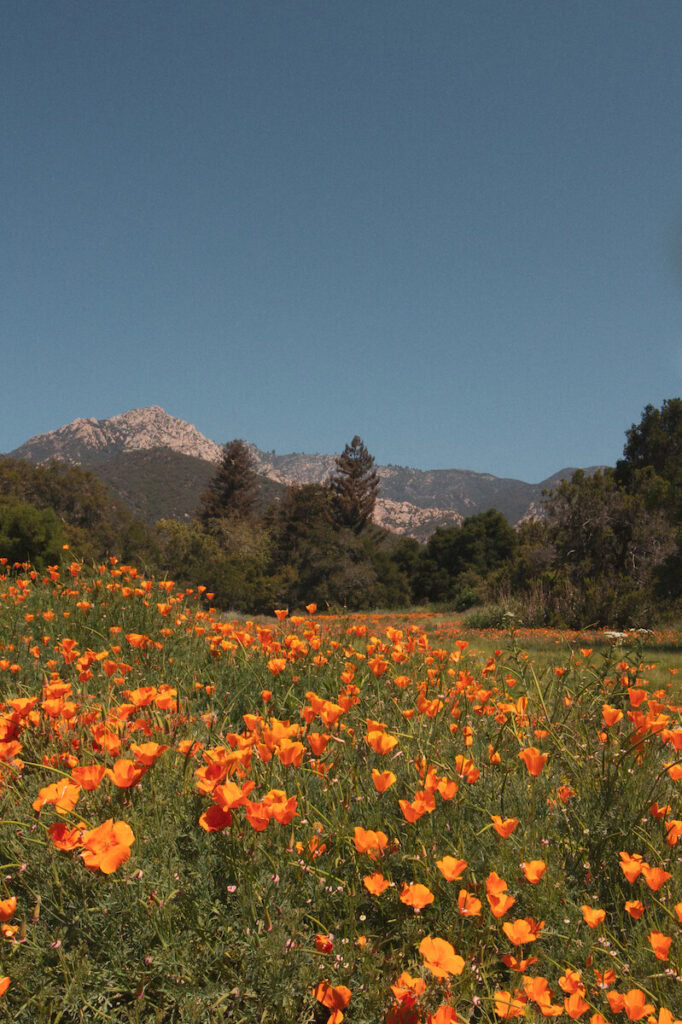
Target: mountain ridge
130, 452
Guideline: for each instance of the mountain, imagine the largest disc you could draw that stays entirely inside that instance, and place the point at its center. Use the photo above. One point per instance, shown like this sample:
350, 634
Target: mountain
86, 442
159, 465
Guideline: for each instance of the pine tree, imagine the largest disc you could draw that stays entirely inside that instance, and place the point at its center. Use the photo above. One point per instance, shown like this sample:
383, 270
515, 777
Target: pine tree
354, 486
232, 491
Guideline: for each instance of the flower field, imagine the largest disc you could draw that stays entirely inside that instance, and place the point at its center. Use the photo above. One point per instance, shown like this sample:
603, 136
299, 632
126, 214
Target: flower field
314, 818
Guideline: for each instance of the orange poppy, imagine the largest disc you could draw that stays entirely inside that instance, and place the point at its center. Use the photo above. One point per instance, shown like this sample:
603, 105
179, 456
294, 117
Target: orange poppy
660, 944
503, 828
508, 1006
107, 846
125, 773
63, 794
593, 916
523, 930
383, 780
416, 896
88, 776
7, 908
335, 999
534, 760
655, 877
533, 870
451, 867
635, 908
440, 957
376, 883
369, 842
381, 742
469, 905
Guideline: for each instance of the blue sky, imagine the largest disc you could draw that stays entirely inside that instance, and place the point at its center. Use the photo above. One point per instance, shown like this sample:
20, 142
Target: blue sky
453, 227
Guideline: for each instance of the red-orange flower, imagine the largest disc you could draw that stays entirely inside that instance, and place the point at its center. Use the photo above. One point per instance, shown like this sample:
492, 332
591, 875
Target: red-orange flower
533, 759
451, 867
593, 916
416, 895
376, 883
440, 957
335, 999
503, 828
369, 842
107, 846
660, 944
523, 930
533, 870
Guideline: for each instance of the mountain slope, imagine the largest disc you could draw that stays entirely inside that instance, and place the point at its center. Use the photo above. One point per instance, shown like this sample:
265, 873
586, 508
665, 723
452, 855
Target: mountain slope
160, 465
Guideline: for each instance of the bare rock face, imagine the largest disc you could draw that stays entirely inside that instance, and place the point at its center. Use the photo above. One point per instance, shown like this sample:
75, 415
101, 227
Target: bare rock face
86, 442
412, 521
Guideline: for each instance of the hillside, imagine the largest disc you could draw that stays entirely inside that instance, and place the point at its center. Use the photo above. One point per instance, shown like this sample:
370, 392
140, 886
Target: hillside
159, 465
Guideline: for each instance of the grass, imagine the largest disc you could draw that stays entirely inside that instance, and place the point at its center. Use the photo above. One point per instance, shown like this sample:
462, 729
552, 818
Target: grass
290, 792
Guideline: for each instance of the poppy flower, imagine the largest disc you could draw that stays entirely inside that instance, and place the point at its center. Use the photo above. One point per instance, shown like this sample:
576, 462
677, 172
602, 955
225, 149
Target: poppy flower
451, 867
7, 908
215, 819
381, 742
376, 883
335, 999
324, 943
575, 1006
107, 846
318, 742
635, 1004
4, 985
63, 794
503, 828
508, 1006
369, 842
660, 944
593, 916
443, 1015
631, 865
65, 838
416, 895
407, 990
533, 870
523, 930
383, 780
500, 903
635, 908
533, 759
469, 905
440, 957
125, 773
655, 877
281, 613
88, 776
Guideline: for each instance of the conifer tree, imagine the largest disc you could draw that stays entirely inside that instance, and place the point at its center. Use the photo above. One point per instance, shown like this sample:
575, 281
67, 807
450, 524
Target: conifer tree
354, 486
232, 491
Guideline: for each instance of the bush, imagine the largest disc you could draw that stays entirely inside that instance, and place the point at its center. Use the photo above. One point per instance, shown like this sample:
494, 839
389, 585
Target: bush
30, 534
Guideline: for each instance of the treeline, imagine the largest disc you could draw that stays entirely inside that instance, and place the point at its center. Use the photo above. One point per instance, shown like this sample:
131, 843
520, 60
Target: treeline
605, 549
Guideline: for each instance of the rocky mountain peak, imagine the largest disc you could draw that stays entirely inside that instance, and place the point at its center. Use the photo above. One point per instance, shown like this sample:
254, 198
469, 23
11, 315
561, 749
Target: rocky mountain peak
89, 441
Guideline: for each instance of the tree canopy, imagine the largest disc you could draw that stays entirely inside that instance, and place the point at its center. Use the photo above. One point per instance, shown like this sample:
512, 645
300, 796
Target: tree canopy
232, 491
354, 486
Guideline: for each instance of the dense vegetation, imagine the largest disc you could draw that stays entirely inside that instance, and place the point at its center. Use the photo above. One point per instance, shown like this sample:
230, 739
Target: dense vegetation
316, 818
607, 548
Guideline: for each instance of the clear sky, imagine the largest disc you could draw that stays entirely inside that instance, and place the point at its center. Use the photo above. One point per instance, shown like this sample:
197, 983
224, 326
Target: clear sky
453, 227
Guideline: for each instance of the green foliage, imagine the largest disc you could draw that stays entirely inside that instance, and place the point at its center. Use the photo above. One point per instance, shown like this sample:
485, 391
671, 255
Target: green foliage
29, 534
354, 486
95, 523
232, 491
457, 560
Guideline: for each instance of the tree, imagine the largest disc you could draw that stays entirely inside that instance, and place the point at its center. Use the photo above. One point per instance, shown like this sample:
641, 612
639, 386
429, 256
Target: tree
354, 486
232, 491
653, 452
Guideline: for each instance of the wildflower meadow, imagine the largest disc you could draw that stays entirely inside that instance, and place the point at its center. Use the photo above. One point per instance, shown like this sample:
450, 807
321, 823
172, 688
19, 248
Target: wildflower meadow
312, 818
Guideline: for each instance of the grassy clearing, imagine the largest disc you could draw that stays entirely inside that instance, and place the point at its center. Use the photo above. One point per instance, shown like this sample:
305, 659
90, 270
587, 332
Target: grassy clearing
316, 818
